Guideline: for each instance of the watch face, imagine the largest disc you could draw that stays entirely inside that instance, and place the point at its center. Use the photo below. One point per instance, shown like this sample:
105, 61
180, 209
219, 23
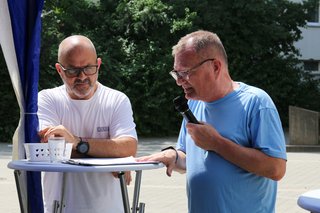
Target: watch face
83, 148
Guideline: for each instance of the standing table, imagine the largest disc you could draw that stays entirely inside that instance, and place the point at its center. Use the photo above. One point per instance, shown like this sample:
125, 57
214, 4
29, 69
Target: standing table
310, 201
65, 168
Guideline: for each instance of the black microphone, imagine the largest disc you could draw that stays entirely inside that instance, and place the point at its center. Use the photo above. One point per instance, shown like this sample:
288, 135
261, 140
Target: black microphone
181, 105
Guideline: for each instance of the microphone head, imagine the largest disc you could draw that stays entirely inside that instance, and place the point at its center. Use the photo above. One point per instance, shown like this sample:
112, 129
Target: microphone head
181, 103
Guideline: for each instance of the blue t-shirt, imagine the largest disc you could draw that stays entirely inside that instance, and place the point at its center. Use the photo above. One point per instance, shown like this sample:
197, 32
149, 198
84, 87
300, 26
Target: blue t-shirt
248, 117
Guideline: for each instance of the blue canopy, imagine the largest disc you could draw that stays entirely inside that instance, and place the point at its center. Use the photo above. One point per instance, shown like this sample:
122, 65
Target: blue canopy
21, 48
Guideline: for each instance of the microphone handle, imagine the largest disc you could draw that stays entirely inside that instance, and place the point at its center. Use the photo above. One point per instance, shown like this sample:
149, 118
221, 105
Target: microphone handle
188, 115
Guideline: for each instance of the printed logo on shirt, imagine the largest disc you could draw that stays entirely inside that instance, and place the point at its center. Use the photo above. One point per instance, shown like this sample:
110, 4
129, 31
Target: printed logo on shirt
103, 129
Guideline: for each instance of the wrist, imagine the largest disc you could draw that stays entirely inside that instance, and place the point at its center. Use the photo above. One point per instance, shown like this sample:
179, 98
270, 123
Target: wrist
172, 148
75, 141
82, 146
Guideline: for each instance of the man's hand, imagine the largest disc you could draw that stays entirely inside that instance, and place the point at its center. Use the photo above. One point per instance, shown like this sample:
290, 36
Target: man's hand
204, 136
127, 176
60, 131
167, 157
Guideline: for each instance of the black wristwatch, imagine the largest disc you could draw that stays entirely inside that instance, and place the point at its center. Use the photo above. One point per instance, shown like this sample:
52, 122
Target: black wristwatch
83, 147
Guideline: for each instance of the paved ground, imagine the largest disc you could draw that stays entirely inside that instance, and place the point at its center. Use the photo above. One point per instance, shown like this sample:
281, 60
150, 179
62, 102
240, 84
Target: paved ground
162, 194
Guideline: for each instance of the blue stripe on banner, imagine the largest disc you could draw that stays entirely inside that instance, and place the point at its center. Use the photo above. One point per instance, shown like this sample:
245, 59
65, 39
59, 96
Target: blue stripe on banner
26, 28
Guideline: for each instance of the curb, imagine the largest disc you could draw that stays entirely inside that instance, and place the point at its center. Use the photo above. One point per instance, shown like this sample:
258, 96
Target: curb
303, 148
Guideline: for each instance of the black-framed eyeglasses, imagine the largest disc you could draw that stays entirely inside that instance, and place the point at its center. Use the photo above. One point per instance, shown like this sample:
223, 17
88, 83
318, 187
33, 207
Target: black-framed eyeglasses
185, 74
75, 72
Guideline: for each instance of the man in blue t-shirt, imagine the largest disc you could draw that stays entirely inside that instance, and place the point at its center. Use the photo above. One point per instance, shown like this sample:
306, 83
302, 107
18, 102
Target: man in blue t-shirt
235, 157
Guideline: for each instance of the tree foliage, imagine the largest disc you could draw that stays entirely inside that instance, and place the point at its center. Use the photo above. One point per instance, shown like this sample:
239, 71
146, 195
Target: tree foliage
134, 39
9, 109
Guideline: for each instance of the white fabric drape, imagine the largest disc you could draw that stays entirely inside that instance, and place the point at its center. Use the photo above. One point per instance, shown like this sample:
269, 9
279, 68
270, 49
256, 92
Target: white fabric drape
7, 45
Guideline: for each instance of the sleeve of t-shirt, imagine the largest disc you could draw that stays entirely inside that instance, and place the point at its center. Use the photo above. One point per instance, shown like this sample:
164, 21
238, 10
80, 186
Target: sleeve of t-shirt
47, 114
267, 133
181, 143
122, 123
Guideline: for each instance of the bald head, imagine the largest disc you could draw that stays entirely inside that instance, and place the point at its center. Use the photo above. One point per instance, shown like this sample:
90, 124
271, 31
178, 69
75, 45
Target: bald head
73, 45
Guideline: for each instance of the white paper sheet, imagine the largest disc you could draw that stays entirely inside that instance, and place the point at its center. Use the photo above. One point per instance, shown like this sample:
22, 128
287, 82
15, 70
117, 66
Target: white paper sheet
106, 161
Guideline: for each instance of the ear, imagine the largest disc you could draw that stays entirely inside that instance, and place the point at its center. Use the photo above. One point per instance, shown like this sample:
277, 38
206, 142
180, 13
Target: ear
216, 65
99, 62
58, 68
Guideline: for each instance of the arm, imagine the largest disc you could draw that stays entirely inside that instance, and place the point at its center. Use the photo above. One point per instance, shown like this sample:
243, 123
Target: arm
118, 147
249, 159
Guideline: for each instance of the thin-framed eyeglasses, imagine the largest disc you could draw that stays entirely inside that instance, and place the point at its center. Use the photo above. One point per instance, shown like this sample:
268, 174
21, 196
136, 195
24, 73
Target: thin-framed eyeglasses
185, 74
75, 72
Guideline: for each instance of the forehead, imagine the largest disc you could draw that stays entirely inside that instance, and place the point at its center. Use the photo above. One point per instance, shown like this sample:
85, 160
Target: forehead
185, 59
79, 56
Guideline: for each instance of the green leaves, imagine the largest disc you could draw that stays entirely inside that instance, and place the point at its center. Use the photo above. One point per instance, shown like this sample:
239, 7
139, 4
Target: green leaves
134, 38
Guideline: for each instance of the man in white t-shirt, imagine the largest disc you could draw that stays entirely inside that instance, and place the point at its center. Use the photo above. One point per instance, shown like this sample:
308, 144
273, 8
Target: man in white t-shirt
96, 119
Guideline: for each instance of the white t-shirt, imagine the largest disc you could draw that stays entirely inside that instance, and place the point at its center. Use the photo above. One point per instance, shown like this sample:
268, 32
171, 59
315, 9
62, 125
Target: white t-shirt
107, 114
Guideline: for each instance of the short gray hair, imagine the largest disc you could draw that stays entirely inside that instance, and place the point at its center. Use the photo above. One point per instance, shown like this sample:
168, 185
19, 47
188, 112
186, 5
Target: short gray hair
203, 42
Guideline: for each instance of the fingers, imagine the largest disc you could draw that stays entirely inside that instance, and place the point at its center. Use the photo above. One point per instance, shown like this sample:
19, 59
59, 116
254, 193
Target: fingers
147, 158
169, 170
57, 131
42, 133
115, 174
127, 176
